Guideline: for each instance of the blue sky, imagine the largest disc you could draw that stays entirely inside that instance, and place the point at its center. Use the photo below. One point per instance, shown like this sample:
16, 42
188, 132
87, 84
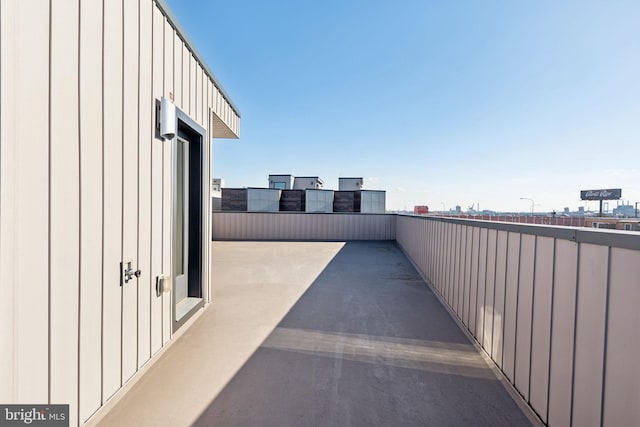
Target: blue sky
436, 102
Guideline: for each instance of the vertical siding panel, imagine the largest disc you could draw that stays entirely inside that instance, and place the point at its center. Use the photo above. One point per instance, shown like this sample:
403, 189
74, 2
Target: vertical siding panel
564, 306
112, 208
184, 82
446, 273
145, 129
437, 250
218, 103
473, 289
8, 102
169, 61
187, 81
444, 245
462, 235
459, 270
156, 185
622, 387
24, 199
434, 250
177, 71
541, 327
167, 178
511, 305
467, 276
489, 292
498, 305
193, 65
482, 282
590, 328
32, 202
201, 91
525, 305
455, 263
130, 189
64, 207
90, 208
448, 258
429, 249
463, 272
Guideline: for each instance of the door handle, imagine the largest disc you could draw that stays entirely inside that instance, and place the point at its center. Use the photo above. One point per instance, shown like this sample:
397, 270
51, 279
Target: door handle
127, 272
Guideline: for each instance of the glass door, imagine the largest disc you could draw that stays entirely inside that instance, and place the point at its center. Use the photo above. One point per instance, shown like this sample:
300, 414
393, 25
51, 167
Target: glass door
181, 226
187, 220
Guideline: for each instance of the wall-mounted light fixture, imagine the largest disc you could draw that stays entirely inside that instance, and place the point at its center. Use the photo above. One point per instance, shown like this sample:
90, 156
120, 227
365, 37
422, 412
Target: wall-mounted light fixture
167, 119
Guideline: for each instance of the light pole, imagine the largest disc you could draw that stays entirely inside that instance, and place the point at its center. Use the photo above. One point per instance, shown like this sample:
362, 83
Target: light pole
532, 203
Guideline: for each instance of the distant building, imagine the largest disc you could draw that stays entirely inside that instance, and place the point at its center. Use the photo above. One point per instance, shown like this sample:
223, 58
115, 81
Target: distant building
421, 210
350, 184
281, 182
630, 224
216, 193
307, 183
624, 211
288, 193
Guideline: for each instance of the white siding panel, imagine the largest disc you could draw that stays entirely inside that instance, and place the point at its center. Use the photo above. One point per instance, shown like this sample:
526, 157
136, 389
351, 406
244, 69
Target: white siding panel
167, 177
65, 207
467, 275
218, 103
112, 208
169, 60
461, 269
489, 294
8, 192
525, 304
90, 209
193, 67
29, 180
473, 290
592, 292
448, 262
146, 283
482, 282
177, 71
511, 305
130, 189
564, 299
622, 387
156, 185
199, 92
541, 327
498, 305
186, 78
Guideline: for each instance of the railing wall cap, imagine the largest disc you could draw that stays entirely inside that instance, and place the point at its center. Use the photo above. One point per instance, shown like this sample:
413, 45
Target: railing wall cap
614, 238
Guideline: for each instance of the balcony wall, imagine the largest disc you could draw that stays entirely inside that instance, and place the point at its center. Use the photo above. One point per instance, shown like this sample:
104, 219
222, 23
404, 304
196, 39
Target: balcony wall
555, 308
302, 226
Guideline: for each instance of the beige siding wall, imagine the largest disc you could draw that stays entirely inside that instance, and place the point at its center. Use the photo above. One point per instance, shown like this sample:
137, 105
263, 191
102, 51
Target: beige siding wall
91, 209
555, 309
64, 205
84, 184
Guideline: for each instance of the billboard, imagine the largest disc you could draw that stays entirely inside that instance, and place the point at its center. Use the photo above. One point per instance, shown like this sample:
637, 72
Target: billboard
609, 194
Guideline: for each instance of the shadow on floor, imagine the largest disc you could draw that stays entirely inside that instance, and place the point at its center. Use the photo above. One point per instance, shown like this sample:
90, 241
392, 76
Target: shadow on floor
367, 344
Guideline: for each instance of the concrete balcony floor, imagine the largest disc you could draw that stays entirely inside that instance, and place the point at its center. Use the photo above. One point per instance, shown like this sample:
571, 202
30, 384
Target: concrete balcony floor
319, 334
